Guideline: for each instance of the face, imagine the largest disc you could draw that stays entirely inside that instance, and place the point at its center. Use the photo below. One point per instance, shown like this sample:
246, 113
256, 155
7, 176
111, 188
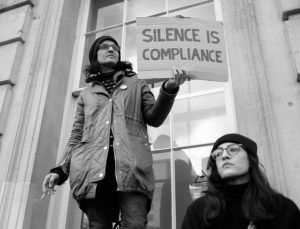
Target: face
234, 169
109, 57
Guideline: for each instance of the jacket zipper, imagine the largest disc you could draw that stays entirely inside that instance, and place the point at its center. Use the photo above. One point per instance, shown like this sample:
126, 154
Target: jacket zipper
113, 145
111, 117
111, 129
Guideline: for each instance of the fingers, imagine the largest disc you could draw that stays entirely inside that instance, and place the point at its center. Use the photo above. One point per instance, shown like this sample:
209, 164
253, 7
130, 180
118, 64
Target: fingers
184, 77
179, 76
49, 183
46, 183
175, 72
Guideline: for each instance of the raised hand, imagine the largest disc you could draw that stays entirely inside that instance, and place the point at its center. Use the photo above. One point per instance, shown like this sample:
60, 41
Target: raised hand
179, 77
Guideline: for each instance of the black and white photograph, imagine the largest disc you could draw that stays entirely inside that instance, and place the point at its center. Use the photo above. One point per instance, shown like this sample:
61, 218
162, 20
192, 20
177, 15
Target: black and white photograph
149, 114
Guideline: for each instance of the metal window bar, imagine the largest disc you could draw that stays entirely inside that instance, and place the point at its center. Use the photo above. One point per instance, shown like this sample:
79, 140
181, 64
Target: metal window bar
166, 150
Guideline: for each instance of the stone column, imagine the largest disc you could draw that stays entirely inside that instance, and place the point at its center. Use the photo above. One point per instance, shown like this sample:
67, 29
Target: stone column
254, 107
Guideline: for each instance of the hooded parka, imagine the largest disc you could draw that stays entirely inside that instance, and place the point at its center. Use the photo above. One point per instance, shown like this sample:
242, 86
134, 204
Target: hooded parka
126, 113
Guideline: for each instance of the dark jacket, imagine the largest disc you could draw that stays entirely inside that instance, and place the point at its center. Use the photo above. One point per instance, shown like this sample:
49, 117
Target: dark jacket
126, 112
287, 216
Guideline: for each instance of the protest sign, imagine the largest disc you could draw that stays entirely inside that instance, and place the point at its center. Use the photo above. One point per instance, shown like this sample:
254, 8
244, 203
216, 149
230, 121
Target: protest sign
193, 44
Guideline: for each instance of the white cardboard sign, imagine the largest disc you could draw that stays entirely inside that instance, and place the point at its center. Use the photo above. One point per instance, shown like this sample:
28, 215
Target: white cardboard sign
193, 44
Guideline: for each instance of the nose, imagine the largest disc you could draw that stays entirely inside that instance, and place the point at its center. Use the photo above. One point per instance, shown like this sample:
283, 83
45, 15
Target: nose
110, 48
225, 154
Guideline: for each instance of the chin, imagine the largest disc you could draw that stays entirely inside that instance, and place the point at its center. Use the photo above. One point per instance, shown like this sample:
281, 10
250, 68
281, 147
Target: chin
110, 64
228, 175
233, 178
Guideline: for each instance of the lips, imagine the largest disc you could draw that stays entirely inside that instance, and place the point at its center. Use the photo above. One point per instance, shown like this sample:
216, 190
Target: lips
226, 164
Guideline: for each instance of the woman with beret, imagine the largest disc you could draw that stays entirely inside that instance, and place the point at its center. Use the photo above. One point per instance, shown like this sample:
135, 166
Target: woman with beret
239, 195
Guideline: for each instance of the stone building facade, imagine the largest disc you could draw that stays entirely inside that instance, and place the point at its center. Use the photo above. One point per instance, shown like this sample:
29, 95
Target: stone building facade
42, 45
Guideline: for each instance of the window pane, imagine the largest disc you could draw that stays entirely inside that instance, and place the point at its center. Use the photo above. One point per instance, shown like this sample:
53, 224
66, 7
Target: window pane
161, 142
184, 177
130, 46
198, 85
197, 165
160, 213
205, 11
105, 13
115, 33
144, 8
173, 4
200, 120
202, 85
159, 137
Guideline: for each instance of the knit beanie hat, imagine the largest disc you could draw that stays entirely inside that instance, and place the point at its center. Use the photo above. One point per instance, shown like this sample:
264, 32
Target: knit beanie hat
250, 145
95, 46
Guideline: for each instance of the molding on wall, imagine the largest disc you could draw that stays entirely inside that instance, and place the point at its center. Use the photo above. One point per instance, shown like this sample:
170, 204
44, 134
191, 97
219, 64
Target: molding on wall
14, 6
16, 24
26, 112
6, 82
292, 27
5, 102
16, 39
10, 57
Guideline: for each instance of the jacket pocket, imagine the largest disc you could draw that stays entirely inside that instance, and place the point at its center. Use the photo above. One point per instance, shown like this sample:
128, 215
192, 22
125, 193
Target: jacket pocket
141, 149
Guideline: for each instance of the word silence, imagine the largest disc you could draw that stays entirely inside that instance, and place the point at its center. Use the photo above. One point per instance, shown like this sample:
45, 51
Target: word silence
175, 34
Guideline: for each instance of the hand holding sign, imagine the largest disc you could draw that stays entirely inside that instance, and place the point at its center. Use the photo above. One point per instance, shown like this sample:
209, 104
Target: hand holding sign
179, 78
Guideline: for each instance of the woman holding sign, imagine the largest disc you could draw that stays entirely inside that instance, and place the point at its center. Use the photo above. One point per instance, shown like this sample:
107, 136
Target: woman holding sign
239, 195
108, 157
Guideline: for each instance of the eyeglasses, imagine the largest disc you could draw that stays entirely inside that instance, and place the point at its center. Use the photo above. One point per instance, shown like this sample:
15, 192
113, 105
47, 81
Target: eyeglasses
232, 150
116, 48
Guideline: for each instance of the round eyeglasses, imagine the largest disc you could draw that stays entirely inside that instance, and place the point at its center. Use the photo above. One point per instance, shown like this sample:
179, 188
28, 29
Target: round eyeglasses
107, 47
232, 150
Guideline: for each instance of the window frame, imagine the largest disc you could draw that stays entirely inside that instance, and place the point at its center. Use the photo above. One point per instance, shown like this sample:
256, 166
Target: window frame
76, 69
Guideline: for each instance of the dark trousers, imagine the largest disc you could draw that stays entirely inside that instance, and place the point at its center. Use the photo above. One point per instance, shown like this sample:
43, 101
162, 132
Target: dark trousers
101, 212
105, 208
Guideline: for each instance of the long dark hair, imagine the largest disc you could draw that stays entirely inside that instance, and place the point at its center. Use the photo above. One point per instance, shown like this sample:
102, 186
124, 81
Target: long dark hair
95, 68
258, 201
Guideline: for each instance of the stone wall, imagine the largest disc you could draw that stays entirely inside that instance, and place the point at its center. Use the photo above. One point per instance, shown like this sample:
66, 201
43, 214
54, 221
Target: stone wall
264, 56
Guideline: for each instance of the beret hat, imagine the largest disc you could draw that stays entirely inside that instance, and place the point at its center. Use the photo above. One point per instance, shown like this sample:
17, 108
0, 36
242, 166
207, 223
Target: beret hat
95, 46
249, 144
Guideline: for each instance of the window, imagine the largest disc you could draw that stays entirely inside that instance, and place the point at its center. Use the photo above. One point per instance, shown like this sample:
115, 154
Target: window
201, 112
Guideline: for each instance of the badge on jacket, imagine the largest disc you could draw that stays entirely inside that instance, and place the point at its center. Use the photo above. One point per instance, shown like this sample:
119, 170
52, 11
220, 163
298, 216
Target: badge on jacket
123, 86
251, 225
